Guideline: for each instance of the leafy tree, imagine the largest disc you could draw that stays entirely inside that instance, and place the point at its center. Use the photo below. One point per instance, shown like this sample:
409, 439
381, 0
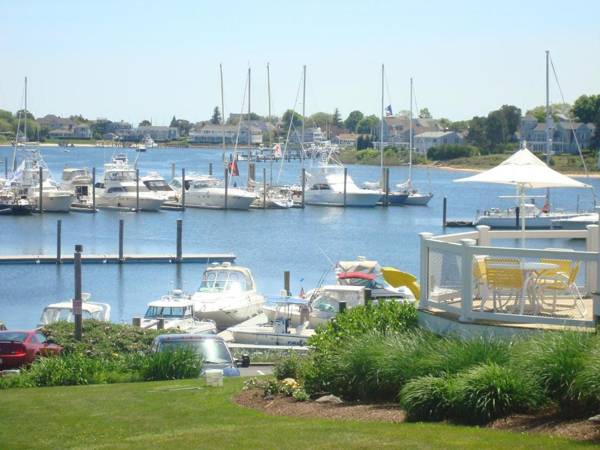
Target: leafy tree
79, 119
476, 135
7, 116
287, 117
100, 127
424, 113
352, 120
216, 117
512, 118
6, 127
183, 126
496, 128
587, 109
445, 152
147, 123
336, 119
368, 125
363, 142
173, 122
21, 113
320, 119
539, 112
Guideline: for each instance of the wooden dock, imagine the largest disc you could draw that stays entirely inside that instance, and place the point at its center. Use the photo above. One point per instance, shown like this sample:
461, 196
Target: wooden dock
204, 258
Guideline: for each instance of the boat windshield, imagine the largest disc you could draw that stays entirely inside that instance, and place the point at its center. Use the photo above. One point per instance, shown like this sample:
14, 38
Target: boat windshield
211, 351
369, 284
52, 315
157, 185
168, 311
224, 280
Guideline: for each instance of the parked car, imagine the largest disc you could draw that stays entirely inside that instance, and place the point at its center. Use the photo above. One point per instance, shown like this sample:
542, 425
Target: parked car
20, 348
212, 349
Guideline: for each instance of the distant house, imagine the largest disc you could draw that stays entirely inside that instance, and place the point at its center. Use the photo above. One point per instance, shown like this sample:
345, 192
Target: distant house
214, 134
396, 129
564, 133
311, 135
158, 133
52, 122
71, 132
346, 139
424, 141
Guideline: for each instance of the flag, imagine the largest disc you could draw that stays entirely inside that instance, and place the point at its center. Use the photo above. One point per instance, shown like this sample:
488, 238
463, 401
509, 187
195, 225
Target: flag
233, 169
388, 111
277, 151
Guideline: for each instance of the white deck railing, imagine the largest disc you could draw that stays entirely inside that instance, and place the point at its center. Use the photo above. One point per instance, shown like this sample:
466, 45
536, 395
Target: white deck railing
456, 253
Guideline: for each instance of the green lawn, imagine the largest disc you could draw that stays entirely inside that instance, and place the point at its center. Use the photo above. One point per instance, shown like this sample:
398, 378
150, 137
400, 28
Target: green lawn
165, 415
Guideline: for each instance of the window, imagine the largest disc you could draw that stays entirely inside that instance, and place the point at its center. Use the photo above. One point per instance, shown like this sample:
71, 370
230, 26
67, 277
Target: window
40, 337
225, 280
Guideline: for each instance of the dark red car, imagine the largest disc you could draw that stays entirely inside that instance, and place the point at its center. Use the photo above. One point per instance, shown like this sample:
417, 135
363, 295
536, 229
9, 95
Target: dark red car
19, 348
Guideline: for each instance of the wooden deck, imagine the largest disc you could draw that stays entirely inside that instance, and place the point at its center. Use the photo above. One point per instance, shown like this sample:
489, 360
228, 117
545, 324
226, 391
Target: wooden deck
205, 258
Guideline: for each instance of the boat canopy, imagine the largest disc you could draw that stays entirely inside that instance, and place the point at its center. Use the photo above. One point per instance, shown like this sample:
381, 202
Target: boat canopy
364, 266
361, 275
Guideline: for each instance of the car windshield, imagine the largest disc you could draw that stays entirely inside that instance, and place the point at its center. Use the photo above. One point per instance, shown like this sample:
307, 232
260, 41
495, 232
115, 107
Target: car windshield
13, 336
224, 280
167, 311
51, 315
212, 351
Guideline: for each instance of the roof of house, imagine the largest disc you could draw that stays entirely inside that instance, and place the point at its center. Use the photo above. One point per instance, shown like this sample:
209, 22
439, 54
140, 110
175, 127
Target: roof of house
434, 134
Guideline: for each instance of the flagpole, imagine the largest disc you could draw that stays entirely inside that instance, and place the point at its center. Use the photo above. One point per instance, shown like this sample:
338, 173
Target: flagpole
410, 136
381, 130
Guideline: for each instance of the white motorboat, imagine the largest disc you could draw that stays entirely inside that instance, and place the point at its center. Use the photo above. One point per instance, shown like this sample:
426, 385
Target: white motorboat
276, 197
78, 181
326, 187
261, 331
535, 218
154, 182
227, 295
177, 311
205, 191
25, 183
579, 222
119, 188
63, 311
324, 304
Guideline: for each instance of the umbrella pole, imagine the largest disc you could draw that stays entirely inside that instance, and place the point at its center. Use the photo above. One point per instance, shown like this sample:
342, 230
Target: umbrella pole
521, 192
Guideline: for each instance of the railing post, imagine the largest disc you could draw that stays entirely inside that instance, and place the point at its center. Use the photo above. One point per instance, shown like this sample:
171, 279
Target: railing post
424, 270
592, 244
179, 240
121, 232
596, 294
467, 280
58, 240
483, 240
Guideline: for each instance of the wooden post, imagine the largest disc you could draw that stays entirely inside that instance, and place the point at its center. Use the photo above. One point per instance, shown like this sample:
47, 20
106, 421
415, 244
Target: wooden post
172, 171
41, 205
342, 307
345, 183
424, 270
251, 176
444, 212
517, 213
367, 296
591, 245
94, 188
58, 240
467, 280
226, 187
183, 189
121, 232
286, 282
77, 300
303, 185
137, 189
264, 188
160, 324
210, 168
179, 239
136, 322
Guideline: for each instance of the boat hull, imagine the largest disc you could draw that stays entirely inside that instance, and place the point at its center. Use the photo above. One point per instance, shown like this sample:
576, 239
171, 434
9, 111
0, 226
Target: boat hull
510, 222
228, 313
264, 335
418, 199
332, 198
129, 202
52, 202
215, 199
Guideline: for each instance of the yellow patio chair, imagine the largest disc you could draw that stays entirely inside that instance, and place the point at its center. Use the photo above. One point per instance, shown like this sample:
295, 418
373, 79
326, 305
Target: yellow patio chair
479, 276
503, 277
561, 280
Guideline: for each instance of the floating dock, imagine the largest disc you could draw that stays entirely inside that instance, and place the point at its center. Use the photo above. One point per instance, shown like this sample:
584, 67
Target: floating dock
205, 258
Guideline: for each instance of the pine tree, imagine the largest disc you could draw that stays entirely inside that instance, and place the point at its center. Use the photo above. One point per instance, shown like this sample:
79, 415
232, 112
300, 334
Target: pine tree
337, 120
173, 122
216, 117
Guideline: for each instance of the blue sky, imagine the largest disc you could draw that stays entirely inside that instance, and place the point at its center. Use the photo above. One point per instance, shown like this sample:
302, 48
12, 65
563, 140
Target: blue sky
132, 60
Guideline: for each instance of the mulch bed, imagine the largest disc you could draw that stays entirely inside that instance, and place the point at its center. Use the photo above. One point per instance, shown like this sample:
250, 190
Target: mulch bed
547, 423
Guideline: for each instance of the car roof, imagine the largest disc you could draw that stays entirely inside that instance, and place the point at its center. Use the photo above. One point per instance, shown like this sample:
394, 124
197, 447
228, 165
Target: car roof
188, 337
20, 331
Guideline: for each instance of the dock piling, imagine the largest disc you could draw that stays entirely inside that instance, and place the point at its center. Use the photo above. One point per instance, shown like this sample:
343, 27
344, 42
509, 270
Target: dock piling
136, 322
444, 212
303, 185
264, 188
345, 183
517, 214
210, 168
160, 324
94, 188
137, 190
179, 240
387, 186
41, 205
183, 189
6, 167
226, 187
286, 282
173, 171
121, 232
77, 300
342, 307
251, 175
58, 240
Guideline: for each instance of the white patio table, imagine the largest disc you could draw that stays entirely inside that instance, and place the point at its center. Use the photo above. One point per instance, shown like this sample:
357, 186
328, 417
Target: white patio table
529, 270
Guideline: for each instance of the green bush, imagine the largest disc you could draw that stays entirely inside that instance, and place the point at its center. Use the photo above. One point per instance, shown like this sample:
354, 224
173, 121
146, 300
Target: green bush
586, 387
289, 367
428, 398
171, 365
490, 391
446, 152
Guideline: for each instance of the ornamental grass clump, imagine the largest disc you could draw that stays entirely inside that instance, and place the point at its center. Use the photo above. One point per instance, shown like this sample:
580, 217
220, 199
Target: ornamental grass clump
490, 391
428, 398
175, 364
586, 387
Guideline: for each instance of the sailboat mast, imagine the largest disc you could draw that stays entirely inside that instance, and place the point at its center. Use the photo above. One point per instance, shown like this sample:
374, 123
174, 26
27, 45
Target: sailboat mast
548, 116
269, 91
410, 134
249, 111
25, 124
381, 130
222, 110
303, 112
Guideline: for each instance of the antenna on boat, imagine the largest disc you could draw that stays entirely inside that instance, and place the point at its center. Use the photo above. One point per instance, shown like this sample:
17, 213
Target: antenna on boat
222, 110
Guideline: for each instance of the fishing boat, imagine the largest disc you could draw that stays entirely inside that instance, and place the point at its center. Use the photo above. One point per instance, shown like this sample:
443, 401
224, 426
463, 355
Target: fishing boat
177, 312
275, 197
63, 311
120, 189
206, 191
77, 181
227, 295
154, 182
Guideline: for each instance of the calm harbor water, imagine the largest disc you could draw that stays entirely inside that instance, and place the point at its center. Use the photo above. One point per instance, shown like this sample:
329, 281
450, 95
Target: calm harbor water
306, 242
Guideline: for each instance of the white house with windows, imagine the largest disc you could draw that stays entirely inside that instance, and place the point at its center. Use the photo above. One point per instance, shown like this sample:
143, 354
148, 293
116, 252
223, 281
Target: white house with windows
214, 134
428, 139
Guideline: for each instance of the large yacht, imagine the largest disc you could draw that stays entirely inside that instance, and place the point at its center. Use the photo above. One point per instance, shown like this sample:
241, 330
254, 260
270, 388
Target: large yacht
78, 181
227, 295
119, 189
326, 187
25, 184
155, 182
205, 191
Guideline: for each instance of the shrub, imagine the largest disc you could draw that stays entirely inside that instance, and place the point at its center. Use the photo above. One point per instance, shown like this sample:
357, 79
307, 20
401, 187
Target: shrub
445, 152
289, 367
300, 395
172, 365
490, 391
586, 386
428, 398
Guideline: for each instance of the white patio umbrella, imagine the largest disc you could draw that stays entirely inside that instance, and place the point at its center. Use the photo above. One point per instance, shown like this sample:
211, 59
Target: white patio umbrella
525, 171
